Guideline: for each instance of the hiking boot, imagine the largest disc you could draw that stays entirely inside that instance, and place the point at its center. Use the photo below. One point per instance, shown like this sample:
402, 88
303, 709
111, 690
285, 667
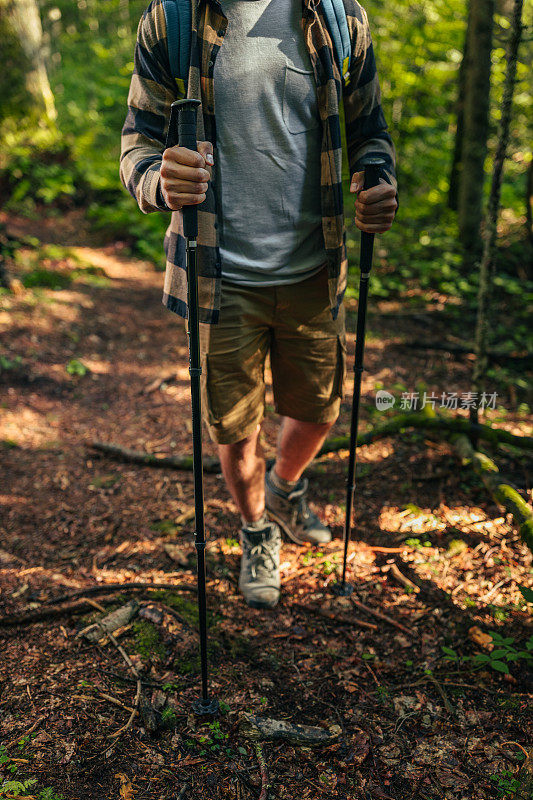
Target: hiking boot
292, 513
259, 579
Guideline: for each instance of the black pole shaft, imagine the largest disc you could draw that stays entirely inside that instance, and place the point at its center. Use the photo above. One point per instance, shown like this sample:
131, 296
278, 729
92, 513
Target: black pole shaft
354, 426
182, 130
372, 168
195, 370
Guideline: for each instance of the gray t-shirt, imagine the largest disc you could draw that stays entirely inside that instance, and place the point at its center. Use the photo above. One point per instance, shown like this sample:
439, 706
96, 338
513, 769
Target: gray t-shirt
268, 135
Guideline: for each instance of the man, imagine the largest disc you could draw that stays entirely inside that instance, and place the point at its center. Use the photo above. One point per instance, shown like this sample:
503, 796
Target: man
271, 251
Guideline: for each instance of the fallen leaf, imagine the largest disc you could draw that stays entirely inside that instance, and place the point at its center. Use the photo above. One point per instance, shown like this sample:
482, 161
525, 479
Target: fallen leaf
480, 638
126, 789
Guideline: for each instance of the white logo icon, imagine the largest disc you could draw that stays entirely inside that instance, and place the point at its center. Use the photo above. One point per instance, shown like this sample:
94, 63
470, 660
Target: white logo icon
384, 400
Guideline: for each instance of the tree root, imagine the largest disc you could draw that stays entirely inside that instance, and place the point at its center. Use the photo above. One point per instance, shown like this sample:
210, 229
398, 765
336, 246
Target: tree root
398, 424
503, 494
82, 604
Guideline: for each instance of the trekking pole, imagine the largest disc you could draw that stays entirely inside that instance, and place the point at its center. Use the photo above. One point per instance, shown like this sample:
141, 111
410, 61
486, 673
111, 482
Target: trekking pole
182, 131
371, 166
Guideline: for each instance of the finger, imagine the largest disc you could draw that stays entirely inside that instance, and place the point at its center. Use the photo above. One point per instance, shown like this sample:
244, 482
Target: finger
177, 201
377, 193
185, 187
206, 150
383, 220
182, 155
377, 209
171, 170
357, 182
377, 228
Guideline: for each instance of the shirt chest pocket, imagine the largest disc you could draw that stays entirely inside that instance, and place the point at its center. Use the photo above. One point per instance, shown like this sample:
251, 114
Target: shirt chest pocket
300, 106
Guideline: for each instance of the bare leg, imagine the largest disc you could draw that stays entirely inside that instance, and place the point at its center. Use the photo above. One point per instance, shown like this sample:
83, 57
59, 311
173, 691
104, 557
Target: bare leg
244, 471
298, 444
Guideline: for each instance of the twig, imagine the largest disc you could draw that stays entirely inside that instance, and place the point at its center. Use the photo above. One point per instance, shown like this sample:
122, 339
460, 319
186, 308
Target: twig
114, 700
400, 577
265, 785
360, 623
27, 733
134, 710
45, 613
449, 708
182, 791
112, 588
384, 617
153, 459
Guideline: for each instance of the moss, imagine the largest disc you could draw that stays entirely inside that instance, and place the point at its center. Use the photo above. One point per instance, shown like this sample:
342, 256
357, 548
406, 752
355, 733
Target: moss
148, 642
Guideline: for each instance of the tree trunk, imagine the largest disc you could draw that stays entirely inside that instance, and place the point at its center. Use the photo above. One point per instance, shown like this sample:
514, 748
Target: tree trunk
22, 18
476, 123
456, 168
529, 201
486, 268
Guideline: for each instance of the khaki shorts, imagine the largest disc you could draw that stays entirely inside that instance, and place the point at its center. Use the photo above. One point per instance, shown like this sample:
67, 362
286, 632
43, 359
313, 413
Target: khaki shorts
307, 357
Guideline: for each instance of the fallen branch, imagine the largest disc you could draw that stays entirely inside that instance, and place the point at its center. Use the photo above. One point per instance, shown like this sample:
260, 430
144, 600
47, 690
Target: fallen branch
265, 784
153, 459
433, 422
398, 424
29, 617
274, 730
327, 612
113, 588
80, 605
497, 356
503, 494
379, 615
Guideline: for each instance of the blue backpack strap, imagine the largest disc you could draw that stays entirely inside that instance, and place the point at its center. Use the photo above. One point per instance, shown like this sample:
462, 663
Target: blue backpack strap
178, 16
335, 14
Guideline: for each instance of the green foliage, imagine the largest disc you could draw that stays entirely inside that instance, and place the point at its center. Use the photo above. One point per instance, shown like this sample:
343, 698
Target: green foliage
419, 50
504, 653
7, 364
148, 642
526, 593
47, 279
21, 787
505, 784
77, 368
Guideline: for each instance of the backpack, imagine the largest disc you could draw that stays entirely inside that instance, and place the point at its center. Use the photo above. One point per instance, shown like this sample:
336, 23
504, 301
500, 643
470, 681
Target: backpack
179, 19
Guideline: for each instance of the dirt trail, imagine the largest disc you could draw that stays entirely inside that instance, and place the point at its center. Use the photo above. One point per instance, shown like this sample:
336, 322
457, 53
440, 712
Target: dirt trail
71, 518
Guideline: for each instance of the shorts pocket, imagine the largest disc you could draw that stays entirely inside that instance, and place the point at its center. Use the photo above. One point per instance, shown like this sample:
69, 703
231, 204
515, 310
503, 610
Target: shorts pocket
300, 106
340, 372
210, 411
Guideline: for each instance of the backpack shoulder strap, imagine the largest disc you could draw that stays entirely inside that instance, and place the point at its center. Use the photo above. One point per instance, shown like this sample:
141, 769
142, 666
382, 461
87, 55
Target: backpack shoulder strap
178, 17
335, 14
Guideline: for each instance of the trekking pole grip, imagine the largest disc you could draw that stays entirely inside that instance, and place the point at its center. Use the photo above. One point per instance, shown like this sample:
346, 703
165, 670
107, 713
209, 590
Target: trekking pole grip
183, 128
372, 167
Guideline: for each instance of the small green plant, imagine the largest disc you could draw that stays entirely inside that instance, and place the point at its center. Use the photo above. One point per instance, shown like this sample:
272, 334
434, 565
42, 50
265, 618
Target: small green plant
506, 785
231, 542
526, 593
76, 367
503, 654
47, 279
169, 717
7, 364
16, 788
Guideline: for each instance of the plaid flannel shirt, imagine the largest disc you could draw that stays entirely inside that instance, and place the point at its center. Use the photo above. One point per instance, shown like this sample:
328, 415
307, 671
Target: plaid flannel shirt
153, 89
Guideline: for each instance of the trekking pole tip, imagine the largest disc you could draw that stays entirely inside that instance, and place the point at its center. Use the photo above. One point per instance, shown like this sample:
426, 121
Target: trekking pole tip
342, 589
205, 708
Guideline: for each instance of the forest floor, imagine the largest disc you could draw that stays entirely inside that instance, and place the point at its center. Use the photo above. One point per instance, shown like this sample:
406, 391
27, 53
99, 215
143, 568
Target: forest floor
101, 359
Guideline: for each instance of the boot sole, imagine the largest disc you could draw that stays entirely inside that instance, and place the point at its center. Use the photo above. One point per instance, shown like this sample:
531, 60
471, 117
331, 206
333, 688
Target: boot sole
286, 530
258, 605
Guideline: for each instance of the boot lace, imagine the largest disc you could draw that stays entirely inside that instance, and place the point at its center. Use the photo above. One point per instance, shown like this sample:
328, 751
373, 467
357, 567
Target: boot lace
262, 559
